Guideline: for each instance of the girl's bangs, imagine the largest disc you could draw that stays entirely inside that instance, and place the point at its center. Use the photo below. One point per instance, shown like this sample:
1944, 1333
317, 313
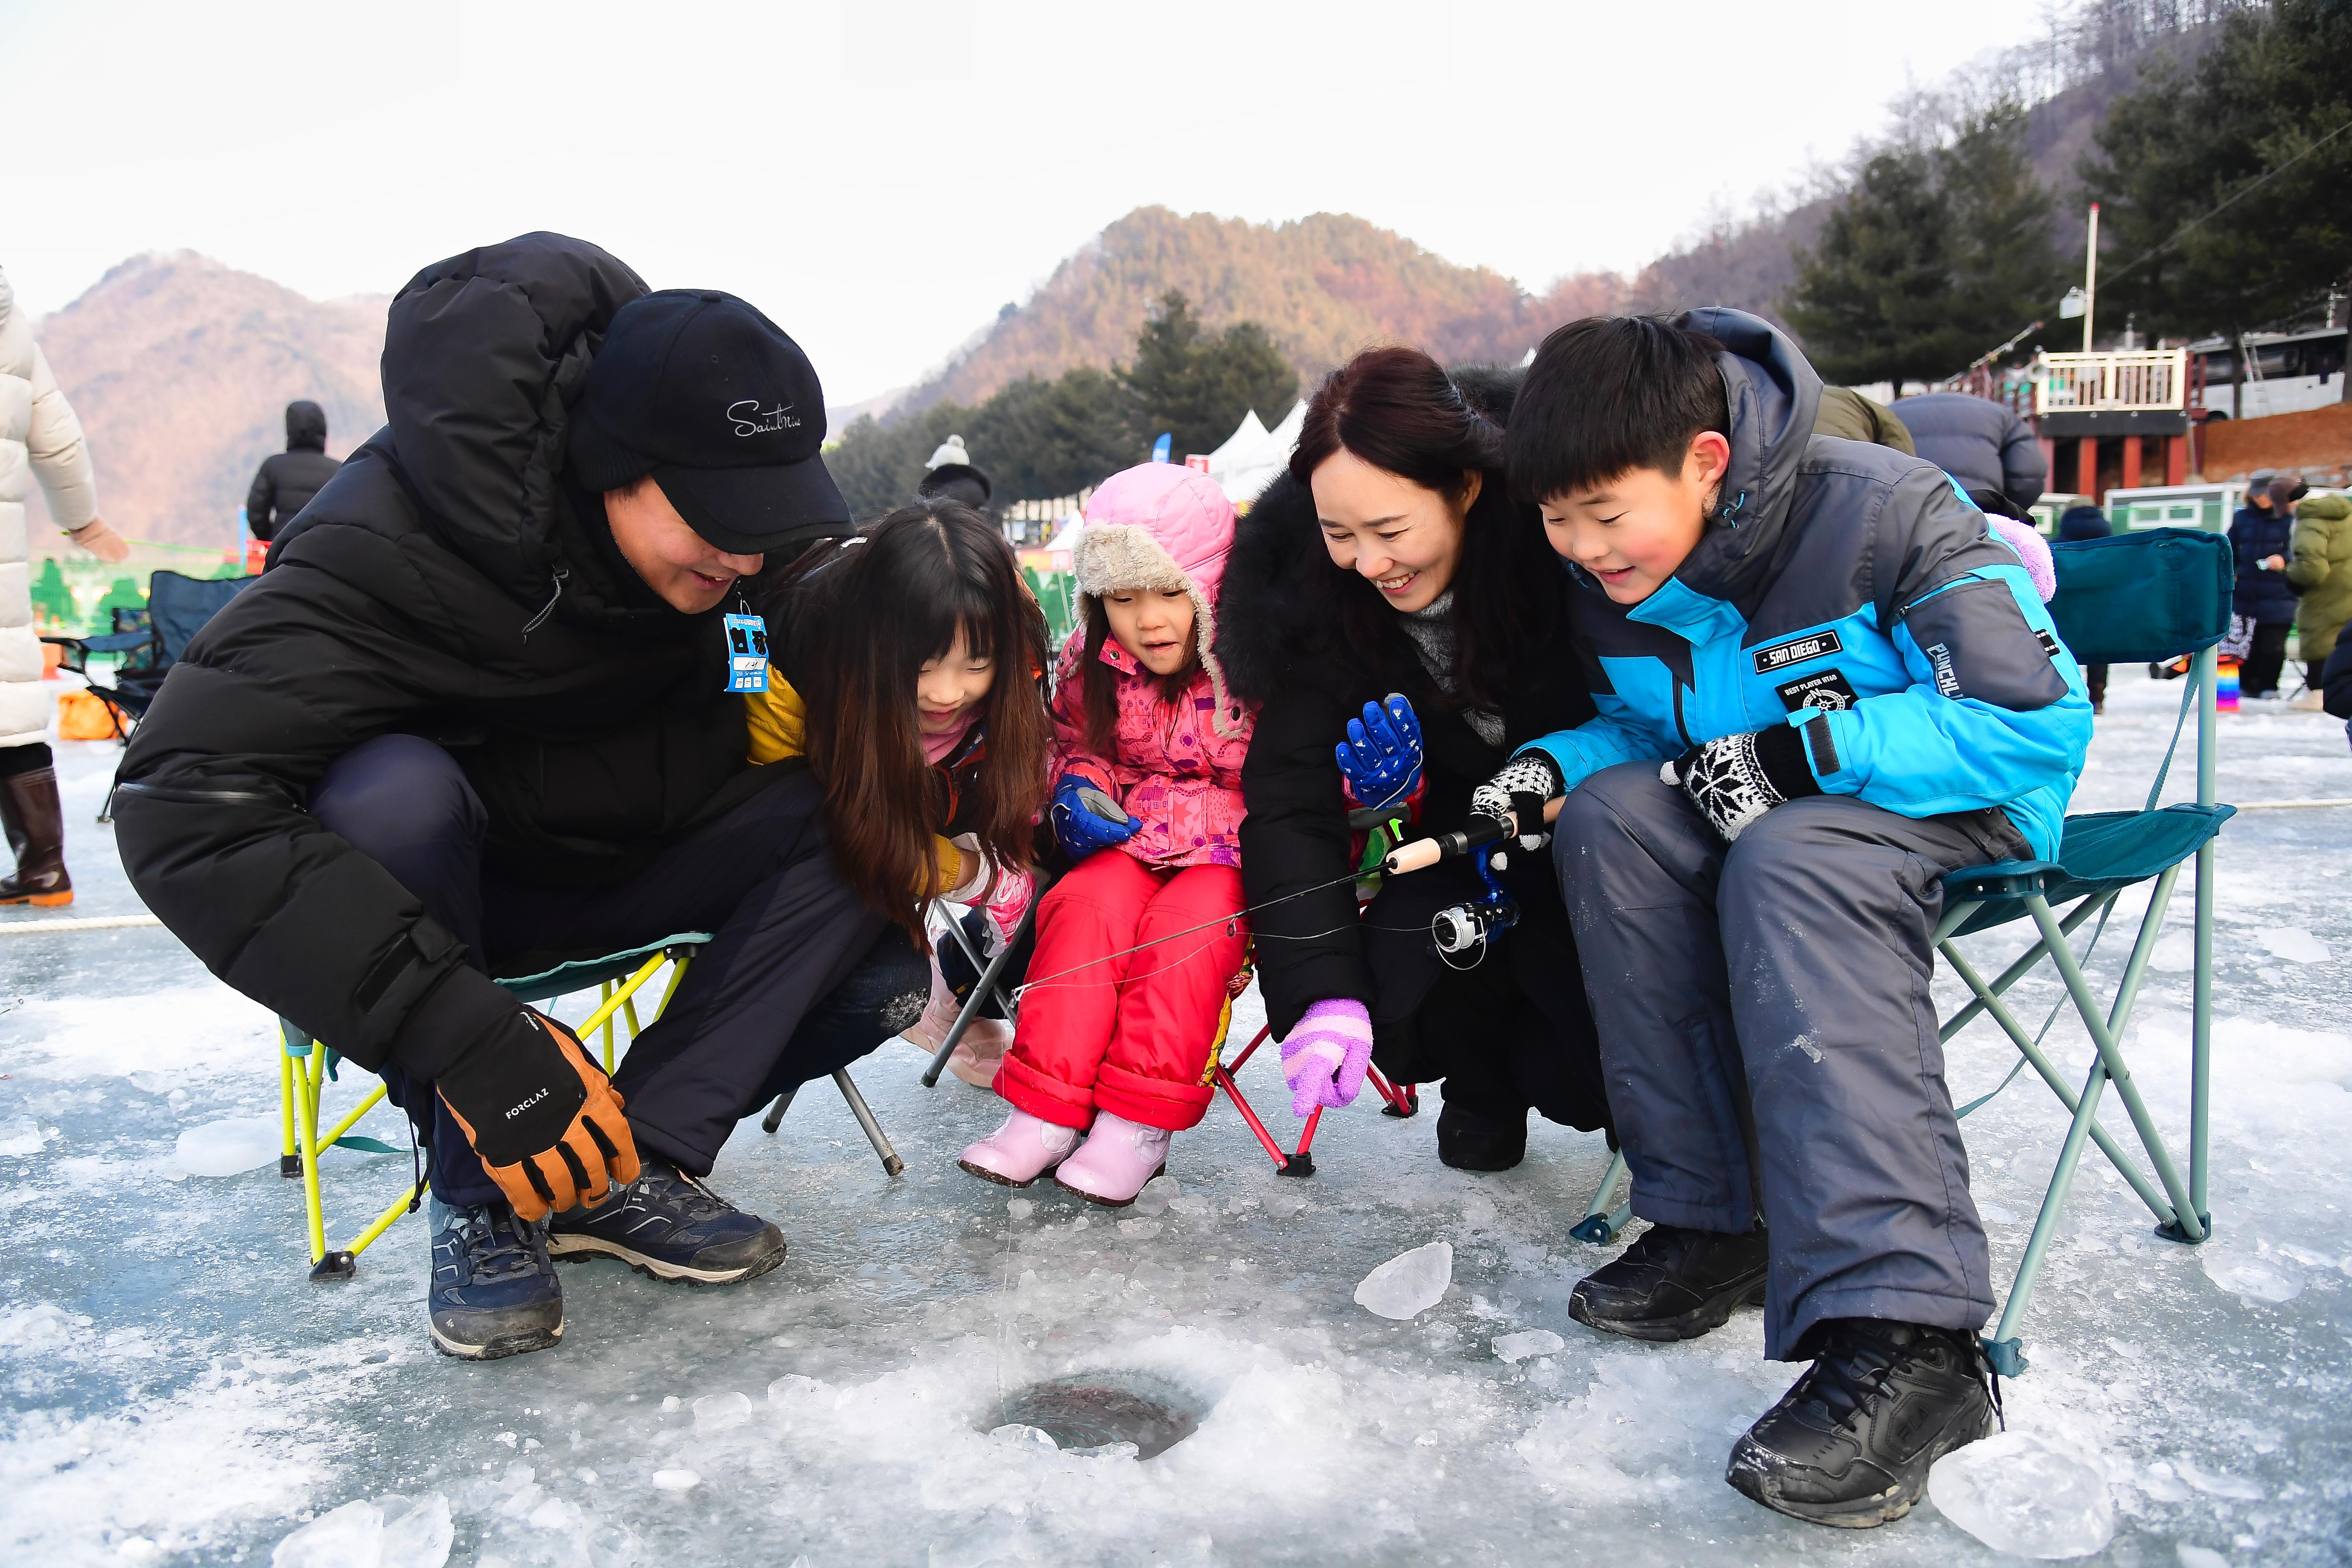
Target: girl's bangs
965, 606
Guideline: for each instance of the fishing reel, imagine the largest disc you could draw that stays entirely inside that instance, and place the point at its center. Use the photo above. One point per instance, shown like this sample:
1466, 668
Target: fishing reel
1469, 927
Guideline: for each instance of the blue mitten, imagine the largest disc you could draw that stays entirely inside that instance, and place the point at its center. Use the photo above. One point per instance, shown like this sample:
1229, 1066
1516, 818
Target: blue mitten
1085, 819
1381, 758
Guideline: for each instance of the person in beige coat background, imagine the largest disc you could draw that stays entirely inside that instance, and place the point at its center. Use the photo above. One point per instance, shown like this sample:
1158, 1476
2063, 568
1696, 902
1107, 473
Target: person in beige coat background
39, 439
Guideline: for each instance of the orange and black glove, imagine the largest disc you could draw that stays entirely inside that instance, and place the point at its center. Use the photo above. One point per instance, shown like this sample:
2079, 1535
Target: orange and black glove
541, 1115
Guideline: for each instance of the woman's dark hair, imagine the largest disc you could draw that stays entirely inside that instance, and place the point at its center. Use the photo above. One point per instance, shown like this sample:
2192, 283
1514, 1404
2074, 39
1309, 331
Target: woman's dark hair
1099, 682
1397, 409
867, 616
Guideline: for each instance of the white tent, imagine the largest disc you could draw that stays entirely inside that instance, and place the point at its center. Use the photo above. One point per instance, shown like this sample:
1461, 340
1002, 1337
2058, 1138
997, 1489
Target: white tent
1247, 437
1247, 473
1067, 539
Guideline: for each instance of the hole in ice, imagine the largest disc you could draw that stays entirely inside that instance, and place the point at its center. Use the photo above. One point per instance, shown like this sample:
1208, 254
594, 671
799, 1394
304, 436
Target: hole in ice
1093, 1410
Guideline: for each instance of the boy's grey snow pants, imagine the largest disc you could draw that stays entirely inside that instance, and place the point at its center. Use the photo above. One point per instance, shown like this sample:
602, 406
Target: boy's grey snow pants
1781, 982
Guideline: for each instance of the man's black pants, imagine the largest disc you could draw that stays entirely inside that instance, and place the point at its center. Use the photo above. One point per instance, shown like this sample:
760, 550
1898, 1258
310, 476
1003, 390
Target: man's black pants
799, 979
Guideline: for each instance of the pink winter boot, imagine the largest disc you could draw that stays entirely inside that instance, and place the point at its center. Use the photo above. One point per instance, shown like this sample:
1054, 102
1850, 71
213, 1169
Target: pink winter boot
1020, 1150
978, 1053
1119, 1156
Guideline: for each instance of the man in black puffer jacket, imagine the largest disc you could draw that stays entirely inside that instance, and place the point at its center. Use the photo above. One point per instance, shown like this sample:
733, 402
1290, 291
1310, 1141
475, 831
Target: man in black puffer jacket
480, 716
286, 480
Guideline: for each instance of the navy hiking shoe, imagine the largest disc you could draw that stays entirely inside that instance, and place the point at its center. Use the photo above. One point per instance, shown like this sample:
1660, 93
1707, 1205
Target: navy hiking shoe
494, 1291
1851, 1442
1673, 1283
670, 1225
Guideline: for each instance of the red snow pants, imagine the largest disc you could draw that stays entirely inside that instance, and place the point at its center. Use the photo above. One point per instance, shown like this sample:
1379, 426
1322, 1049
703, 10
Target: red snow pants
1130, 1034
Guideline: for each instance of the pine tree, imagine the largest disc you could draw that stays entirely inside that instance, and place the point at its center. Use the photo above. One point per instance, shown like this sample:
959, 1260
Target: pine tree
1196, 387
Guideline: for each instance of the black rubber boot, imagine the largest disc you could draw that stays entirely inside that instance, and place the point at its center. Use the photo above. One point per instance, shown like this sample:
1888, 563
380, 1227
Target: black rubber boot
1672, 1284
1471, 1139
1851, 1442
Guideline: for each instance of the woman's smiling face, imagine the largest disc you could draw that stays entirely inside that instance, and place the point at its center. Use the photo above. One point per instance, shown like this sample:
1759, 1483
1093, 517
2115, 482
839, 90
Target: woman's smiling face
1403, 538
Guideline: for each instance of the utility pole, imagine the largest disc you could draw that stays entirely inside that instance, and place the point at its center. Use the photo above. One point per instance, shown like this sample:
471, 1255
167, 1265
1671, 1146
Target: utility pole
2091, 279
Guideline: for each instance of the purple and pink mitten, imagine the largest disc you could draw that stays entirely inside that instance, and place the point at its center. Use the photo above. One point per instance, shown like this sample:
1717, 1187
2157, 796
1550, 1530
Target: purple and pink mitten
1325, 1057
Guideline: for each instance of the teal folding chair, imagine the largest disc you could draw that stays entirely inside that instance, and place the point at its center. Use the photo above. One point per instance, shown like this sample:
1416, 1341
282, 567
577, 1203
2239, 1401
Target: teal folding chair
2139, 597
305, 1067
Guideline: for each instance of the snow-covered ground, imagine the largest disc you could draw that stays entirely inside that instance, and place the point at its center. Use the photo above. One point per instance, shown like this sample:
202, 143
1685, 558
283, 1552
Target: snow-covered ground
174, 1388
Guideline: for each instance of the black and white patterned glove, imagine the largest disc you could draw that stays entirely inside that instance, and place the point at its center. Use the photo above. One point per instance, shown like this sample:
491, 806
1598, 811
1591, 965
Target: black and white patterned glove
1527, 782
1737, 779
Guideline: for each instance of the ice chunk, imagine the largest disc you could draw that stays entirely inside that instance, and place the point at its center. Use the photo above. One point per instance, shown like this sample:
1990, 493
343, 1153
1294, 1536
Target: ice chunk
2199, 1556
1019, 1208
1153, 1198
669, 1481
792, 1388
2254, 1278
2294, 944
1409, 1283
21, 1135
2235, 1488
612, 1546
1515, 1348
2018, 1493
1021, 1434
229, 1148
716, 1412
391, 1531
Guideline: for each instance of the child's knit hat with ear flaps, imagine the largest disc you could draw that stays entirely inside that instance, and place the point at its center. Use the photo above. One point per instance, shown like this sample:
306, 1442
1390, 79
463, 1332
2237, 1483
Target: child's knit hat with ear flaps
1163, 527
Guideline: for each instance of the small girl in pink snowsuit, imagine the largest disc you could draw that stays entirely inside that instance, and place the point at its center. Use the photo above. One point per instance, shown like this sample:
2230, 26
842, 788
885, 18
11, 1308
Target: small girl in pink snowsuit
1136, 948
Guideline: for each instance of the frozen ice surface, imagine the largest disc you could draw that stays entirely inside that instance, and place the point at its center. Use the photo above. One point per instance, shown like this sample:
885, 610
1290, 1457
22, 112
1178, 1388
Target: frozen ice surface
2021, 1494
2294, 944
1409, 1283
174, 1389
230, 1148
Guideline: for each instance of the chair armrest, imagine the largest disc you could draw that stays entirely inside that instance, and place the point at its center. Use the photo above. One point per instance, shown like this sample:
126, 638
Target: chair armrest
113, 642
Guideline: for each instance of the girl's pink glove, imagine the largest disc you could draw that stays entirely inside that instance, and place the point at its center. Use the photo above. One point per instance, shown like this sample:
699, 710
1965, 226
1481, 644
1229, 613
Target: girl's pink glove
1325, 1057
2028, 542
1008, 899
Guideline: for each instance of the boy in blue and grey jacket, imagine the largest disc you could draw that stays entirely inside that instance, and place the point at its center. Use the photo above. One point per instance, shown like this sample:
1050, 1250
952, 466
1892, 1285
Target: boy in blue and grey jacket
1823, 685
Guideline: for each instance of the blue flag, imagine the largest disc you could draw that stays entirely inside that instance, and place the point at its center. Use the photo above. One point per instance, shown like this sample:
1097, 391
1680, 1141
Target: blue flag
1159, 448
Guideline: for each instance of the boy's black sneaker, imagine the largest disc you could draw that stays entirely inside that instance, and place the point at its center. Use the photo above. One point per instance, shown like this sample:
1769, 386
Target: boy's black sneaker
1672, 1284
1851, 1442
494, 1291
1477, 1140
670, 1225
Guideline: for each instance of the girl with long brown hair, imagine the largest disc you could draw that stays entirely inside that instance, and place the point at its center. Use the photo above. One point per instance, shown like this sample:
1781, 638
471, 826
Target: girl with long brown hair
909, 677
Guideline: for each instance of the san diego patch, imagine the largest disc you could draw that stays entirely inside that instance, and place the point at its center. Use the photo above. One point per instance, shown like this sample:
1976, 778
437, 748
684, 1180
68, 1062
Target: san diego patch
1829, 691
1797, 650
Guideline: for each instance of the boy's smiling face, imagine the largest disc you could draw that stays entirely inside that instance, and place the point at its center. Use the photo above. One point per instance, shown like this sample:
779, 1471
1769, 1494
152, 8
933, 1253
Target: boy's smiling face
1634, 532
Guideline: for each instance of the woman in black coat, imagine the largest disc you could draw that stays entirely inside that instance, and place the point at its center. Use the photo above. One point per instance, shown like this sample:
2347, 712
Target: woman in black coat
1464, 612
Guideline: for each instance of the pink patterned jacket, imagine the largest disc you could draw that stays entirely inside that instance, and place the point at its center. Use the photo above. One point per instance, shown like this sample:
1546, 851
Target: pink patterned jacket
1170, 768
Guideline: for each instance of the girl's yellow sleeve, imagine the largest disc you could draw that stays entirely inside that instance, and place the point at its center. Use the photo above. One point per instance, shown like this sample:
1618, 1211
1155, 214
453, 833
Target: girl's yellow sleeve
779, 721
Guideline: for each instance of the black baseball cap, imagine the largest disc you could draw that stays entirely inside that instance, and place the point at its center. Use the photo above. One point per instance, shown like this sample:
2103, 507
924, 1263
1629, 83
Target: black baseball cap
708, 396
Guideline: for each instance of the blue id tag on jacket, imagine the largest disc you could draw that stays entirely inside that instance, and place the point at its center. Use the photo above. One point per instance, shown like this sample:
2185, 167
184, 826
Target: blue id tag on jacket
747, 654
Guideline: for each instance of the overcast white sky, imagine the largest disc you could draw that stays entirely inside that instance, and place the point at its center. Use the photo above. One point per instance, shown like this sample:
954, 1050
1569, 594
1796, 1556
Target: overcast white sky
880, 178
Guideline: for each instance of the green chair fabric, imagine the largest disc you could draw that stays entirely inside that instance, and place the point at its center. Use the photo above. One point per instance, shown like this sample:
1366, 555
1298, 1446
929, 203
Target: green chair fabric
2099, 852
579, 973
2142, 597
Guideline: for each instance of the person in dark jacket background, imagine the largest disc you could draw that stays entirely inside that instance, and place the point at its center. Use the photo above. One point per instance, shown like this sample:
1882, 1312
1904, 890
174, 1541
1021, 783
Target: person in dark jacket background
288, 479
2078, 523
1982, 444
480, 716
2262, 536
1482, 657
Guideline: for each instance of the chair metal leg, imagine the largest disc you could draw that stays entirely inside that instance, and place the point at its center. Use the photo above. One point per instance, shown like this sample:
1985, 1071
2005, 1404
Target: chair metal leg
307, 1125
2105, 1033
289, 1158
2002, 1344
2200, 1055
891, 1163
989, 975
776, 1117
1601, 1221
2017, 971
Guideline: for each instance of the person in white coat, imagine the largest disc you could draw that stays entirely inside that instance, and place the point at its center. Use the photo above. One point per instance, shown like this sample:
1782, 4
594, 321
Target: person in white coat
39, 439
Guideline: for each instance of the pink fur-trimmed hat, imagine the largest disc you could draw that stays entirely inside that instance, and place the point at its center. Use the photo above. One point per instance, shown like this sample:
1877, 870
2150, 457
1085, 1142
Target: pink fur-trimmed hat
1165, 527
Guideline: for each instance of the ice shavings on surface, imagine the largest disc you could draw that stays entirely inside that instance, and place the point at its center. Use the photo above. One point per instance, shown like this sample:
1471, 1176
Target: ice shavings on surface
2250, 1276
23, 1135
1409, 1283
2020, 1494
229, 1148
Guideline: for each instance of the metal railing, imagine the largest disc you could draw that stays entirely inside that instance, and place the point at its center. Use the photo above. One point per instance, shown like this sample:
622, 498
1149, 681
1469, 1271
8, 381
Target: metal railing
2146, 379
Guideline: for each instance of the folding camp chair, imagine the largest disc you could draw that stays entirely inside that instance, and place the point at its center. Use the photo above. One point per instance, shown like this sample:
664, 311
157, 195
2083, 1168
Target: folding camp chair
148, 642
305, 1065
2150, 595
